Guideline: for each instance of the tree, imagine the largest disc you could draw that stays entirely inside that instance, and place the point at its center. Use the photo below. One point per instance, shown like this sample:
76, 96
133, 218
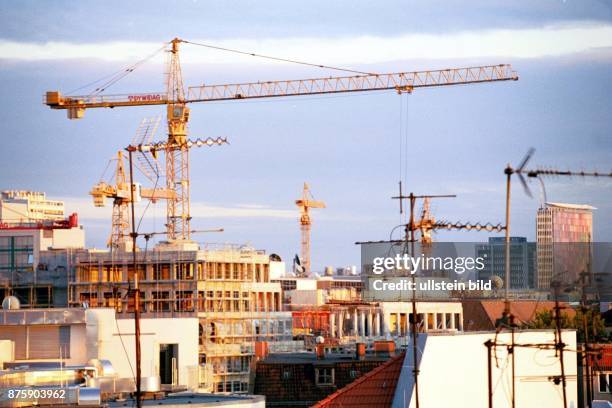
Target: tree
545, 319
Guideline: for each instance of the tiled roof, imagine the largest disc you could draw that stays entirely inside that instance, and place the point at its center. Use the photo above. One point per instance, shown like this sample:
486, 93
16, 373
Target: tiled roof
374, 389
482, 314
603, 362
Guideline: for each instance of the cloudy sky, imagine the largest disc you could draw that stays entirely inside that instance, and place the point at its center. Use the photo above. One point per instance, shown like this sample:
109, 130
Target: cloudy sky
451, 139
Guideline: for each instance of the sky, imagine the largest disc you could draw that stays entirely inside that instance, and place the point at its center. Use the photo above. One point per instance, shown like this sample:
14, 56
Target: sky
352, 149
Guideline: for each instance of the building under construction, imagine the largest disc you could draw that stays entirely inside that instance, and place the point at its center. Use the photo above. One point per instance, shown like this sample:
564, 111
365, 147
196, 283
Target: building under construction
226, 287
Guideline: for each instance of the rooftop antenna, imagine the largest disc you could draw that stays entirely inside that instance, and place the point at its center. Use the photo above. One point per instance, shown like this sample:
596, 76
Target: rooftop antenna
409, 237
521, 172
134, 235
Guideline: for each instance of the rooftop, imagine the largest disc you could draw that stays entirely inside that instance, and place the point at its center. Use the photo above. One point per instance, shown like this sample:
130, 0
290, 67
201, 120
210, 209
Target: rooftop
376, 388
571, 206
603, 361
195, 400
481, 315
311, 358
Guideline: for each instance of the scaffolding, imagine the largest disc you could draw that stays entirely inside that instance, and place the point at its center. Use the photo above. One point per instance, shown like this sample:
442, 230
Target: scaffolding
227, 287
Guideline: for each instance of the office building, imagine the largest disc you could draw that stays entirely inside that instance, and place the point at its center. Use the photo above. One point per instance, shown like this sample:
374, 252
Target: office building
564, 235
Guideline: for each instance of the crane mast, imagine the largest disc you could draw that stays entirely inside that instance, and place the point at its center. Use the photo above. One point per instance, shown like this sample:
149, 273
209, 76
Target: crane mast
305, 204
178, 217
120, 220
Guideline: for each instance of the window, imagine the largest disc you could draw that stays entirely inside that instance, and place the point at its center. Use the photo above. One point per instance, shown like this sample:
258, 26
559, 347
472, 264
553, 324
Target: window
64, 341
324, 376
161, 272
604, 383
161, 301
287, 374
184, 301
235, 386
355, 373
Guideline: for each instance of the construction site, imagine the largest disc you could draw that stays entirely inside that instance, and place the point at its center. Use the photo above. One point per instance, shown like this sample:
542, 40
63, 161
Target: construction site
170, 316
228, 289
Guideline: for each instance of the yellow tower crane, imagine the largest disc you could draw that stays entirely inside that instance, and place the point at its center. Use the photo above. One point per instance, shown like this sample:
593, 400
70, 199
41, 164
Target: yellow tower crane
120, 194
305, 204
176, 98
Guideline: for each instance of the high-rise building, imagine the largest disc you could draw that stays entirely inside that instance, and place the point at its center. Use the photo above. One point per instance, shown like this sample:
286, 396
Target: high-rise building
27, 206
522, 261
564, 234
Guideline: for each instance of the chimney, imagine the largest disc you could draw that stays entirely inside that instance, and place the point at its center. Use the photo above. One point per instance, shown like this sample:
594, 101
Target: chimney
320, 349
360, 351
384, 346
73, 220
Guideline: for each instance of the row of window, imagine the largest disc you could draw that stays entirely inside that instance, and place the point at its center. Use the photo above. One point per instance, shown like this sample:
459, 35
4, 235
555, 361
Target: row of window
242, 272
232, 386
185, 301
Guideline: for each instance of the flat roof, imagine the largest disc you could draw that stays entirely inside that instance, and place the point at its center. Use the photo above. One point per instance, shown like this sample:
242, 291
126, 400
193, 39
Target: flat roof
193, 399
571, 206
311, 358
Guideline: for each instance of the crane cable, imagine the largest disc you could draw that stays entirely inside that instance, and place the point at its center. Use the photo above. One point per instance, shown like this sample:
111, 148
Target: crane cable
252, 54
122, 73
118, 75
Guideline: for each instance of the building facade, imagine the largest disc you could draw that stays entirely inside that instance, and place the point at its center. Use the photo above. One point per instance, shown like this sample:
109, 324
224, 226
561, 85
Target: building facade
36, 258
228, 289
75, 336
522, 261
26, 206
564, 235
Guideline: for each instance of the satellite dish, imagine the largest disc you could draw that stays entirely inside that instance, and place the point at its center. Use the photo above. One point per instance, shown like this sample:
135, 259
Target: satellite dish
497, 282
320, 340
11, 303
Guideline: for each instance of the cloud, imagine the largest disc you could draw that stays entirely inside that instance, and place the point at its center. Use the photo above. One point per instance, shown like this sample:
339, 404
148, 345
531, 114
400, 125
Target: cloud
202, 210
555, 40
86, 210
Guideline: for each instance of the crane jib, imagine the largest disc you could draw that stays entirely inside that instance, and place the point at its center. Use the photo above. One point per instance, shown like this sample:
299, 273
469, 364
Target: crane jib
400, 82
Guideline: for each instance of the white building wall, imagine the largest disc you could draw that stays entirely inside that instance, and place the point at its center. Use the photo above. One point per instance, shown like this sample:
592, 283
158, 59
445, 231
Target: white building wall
316, 297
107, 338
277, 269
78, 350
16, 211
68, 238
306, 284
453, 372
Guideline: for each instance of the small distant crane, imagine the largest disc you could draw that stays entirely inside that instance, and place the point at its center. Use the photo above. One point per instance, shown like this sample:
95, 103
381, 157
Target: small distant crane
305, 203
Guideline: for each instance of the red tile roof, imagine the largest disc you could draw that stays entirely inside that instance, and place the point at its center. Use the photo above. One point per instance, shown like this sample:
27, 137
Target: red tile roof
603, 361
374, 389
482, 314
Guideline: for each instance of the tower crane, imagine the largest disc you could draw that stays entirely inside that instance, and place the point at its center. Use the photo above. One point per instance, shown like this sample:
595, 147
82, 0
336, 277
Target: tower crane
176, 98
305, 204
120, 194
120, 191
